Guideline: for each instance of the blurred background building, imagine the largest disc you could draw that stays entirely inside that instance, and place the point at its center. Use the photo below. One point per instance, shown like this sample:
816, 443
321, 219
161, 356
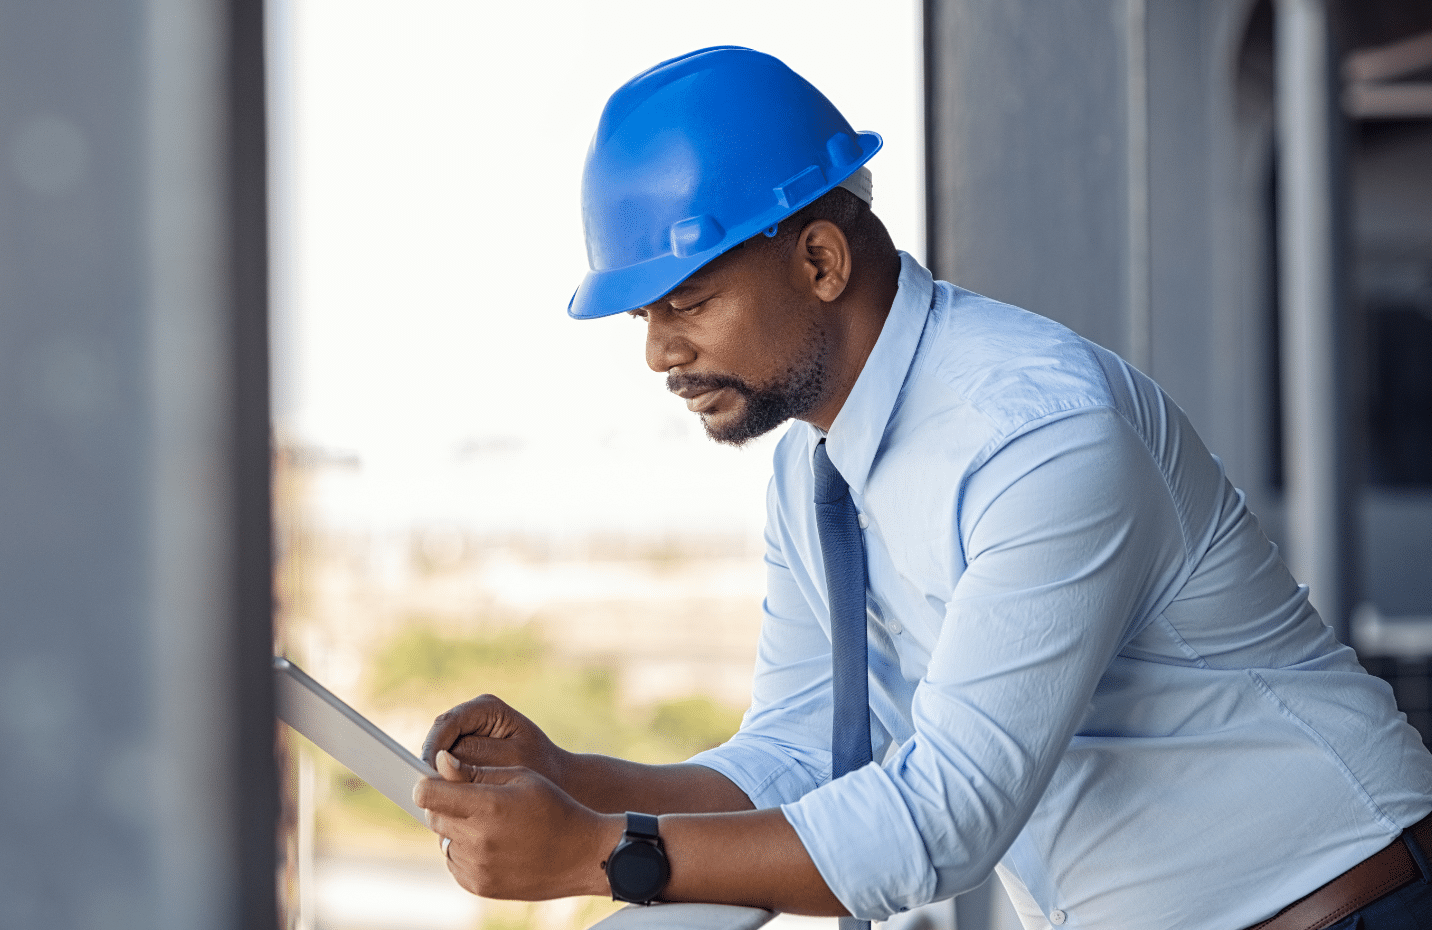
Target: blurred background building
1234, 194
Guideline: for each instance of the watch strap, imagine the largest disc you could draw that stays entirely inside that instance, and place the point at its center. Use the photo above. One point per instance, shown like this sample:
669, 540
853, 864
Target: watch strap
643, 827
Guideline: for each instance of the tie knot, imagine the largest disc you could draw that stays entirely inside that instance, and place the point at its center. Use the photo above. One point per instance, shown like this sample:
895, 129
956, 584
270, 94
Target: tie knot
829, 485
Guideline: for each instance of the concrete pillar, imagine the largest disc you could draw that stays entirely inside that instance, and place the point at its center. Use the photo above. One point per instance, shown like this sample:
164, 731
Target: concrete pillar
1027, 146
1316, 481
137, 787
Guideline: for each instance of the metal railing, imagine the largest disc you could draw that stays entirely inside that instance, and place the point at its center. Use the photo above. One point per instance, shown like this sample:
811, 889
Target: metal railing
686, 917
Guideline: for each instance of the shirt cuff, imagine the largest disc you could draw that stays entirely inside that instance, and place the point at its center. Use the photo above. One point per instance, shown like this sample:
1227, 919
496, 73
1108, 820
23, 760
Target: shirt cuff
769, 776
864, 843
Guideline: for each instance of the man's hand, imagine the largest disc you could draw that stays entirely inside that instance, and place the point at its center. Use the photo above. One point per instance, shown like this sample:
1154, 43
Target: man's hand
514, 834
486, 733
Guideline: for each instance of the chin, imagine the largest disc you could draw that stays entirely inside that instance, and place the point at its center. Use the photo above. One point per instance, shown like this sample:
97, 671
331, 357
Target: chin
735, 432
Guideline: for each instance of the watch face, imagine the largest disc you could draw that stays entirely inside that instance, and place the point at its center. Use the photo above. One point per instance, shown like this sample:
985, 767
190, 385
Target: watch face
637, 872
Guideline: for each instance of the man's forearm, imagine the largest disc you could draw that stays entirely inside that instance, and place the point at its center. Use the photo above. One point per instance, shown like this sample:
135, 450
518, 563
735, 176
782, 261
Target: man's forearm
612, 786
750, 858
721, 850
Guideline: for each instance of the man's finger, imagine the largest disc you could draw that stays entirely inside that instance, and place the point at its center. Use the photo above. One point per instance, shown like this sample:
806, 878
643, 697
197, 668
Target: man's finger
451, 769
473, 716
464, 796
444, 734
479, 750
436, 796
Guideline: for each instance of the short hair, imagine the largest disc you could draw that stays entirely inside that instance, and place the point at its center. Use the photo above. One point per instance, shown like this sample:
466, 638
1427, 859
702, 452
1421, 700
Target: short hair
869, 239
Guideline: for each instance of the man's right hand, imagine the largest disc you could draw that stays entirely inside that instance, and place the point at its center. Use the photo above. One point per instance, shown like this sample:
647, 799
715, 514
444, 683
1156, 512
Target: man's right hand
486, 732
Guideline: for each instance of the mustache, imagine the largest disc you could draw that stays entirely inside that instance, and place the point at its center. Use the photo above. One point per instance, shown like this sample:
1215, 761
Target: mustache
693, 382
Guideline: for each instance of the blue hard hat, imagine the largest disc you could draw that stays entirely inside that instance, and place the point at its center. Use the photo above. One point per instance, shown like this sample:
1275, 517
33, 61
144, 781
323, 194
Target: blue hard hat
695, 156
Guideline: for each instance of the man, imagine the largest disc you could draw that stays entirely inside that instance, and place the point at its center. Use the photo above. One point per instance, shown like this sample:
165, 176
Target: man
1077, 657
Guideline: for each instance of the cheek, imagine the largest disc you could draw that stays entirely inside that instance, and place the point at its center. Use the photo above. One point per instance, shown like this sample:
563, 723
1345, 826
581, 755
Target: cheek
775, 347
756, 356
756, 336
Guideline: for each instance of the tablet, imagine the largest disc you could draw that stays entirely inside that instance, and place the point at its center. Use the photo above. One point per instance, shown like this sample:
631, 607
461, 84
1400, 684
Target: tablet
348, 736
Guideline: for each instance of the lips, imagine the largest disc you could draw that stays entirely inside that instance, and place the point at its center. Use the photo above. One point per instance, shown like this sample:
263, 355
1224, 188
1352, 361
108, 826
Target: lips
701, 401
703, 393
690, 390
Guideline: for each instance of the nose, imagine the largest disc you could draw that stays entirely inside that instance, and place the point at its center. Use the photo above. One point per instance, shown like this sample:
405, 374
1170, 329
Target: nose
665, 349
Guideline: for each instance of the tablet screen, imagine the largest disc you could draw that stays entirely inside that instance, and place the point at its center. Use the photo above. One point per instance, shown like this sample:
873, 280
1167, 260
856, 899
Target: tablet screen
348, 736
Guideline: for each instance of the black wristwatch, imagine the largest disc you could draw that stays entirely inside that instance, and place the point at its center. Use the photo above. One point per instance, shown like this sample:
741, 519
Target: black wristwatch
637, 869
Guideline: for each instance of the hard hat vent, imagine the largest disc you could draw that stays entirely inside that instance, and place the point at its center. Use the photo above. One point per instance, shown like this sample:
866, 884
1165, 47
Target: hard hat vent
696, 234
800, 188
843, 149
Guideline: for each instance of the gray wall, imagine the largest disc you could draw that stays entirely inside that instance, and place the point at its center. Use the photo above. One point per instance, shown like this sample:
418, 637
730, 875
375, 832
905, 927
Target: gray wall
1026, 158
136, 782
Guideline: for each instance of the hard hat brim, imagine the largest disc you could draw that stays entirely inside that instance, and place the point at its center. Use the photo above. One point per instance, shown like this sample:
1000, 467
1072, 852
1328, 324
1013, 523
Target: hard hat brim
606, 293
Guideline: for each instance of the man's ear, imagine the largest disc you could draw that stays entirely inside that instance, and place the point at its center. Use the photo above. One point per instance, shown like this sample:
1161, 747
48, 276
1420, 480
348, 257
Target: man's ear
825, 259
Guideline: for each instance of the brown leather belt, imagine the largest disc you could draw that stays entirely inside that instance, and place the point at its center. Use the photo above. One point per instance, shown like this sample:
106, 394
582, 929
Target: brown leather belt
1378, 875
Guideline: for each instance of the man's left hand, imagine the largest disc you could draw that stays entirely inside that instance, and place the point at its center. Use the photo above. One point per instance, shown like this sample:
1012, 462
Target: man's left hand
514, 834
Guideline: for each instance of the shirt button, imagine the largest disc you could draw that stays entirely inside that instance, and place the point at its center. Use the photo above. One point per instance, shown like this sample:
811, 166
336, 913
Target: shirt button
863, 520
896, 628
1057, 918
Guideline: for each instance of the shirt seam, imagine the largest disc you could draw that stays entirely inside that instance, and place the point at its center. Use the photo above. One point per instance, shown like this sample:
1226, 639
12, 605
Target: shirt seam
1193, 654
1187, 568
1328, 751
986, 452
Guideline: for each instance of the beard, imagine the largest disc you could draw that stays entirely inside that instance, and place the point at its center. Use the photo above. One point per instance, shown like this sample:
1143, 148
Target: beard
794, 393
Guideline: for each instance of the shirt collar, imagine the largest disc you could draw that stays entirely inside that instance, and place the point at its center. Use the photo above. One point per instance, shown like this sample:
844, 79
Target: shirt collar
855, 436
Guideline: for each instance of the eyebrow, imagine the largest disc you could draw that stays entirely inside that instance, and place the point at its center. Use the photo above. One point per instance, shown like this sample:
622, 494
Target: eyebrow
693, 282
681, 290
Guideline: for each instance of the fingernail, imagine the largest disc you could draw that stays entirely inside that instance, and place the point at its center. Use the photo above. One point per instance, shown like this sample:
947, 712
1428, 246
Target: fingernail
452, 759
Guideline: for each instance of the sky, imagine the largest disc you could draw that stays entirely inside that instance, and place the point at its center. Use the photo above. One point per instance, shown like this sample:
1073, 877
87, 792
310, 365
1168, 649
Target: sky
427, 159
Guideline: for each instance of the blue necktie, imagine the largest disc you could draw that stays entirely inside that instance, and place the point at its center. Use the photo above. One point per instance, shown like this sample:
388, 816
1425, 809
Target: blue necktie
843, 550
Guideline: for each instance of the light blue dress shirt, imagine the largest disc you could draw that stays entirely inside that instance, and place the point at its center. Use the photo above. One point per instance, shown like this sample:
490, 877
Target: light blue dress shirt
1088, 665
